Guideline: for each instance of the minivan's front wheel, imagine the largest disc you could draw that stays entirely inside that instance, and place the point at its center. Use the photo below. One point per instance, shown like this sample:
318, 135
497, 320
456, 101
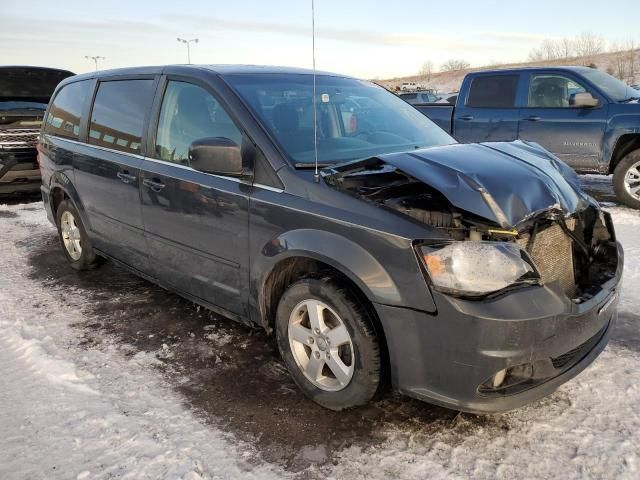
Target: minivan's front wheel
626, 180
327, 340
74, 239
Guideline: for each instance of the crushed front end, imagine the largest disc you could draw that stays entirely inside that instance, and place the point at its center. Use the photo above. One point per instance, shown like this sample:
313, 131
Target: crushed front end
526, 286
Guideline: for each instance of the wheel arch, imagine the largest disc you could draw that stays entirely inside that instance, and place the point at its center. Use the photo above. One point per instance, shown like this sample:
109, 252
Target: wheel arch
293, 251
61, 188
298, 265
625, 144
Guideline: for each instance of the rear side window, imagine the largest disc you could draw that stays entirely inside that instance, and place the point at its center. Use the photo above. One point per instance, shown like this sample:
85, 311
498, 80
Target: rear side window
65, 112
493, 91
117, 118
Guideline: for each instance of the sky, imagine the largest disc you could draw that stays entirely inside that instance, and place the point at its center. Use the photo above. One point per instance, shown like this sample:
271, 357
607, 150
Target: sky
366, 39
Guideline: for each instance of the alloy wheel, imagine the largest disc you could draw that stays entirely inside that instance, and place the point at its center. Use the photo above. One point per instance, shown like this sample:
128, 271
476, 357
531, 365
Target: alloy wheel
321, 345
71, 236
632, 181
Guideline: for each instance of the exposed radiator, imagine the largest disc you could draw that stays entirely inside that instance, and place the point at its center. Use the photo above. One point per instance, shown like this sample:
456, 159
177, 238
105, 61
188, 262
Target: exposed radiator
552, 252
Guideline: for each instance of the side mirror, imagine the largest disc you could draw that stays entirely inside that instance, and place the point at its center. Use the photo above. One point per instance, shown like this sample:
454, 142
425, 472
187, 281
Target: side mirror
217, 155
585, 100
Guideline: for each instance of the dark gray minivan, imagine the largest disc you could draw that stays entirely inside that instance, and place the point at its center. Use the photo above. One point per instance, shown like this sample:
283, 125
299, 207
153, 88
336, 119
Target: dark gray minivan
479, 277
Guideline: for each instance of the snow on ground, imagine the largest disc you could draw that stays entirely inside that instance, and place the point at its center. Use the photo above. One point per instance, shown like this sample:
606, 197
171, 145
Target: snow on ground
71, 411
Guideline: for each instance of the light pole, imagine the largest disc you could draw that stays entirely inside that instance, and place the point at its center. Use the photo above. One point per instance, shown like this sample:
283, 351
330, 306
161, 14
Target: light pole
187, 43
95, 59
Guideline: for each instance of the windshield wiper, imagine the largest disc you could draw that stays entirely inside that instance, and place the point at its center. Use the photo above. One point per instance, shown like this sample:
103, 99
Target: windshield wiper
312, 165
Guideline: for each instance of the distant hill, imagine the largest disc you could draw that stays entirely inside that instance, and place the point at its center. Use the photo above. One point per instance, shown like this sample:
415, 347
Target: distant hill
451, 81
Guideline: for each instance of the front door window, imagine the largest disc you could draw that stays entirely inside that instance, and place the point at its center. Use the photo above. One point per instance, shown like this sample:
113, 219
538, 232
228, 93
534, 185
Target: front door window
553, 91
190, 113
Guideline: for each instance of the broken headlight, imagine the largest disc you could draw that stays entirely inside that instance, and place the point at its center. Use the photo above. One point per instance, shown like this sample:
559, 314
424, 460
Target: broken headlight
477, 268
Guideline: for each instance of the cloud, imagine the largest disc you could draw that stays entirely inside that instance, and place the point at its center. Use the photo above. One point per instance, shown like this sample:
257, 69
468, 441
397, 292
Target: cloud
369, 37
151, 39
80, 30
517, 36
117, 30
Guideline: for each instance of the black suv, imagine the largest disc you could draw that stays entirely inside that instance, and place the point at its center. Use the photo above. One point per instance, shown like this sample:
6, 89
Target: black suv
479, 277
24, 94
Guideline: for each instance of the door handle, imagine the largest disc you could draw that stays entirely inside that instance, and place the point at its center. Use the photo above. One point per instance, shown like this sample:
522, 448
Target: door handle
533, 118
466, 118
153, 185
126, 177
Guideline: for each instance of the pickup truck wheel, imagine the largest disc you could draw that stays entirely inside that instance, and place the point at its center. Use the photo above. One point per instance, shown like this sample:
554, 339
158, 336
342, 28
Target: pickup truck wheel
74, 239
626, 180
328, 343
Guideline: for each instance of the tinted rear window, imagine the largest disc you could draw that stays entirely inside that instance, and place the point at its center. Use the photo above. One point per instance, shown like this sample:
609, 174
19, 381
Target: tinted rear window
117, 118
493, 91
65, 112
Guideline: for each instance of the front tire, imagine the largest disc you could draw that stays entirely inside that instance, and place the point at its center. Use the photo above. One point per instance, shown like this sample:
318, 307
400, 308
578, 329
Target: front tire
74, 239
626, 180
328, 343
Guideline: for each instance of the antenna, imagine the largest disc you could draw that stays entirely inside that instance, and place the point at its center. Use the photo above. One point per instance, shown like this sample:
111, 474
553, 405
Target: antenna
316, 175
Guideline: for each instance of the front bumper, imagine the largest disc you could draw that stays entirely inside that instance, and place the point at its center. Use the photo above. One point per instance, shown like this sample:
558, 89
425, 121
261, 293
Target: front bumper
445, 358
19, 173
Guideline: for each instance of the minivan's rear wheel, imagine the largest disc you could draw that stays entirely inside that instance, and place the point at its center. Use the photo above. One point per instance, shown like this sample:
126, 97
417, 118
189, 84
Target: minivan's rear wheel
626, 180
327, 340
73, 237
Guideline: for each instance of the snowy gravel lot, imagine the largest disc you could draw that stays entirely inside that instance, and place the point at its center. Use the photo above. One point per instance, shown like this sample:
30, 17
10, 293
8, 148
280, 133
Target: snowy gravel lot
104, 375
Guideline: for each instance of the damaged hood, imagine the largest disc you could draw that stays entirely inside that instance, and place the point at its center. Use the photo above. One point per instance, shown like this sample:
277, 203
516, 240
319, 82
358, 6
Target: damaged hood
503, 182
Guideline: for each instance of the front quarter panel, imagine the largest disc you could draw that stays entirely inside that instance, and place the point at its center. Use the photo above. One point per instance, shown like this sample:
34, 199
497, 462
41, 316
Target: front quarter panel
383, 265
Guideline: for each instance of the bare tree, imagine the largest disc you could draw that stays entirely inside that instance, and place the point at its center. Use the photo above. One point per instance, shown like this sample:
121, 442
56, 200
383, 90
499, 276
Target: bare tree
453, 64
536, 55
619, 62
632, 49
552, 50
587, 45
426, 72
566, 47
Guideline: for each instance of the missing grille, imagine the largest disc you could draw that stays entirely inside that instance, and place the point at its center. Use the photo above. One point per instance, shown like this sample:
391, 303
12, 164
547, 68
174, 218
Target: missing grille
552, 252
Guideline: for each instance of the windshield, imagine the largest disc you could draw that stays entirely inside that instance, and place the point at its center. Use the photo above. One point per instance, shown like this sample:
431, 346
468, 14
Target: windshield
614, 88
355, 119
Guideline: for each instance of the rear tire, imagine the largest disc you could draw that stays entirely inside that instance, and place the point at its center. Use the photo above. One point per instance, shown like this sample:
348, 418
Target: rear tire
339, 366
626, 180
74, 239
